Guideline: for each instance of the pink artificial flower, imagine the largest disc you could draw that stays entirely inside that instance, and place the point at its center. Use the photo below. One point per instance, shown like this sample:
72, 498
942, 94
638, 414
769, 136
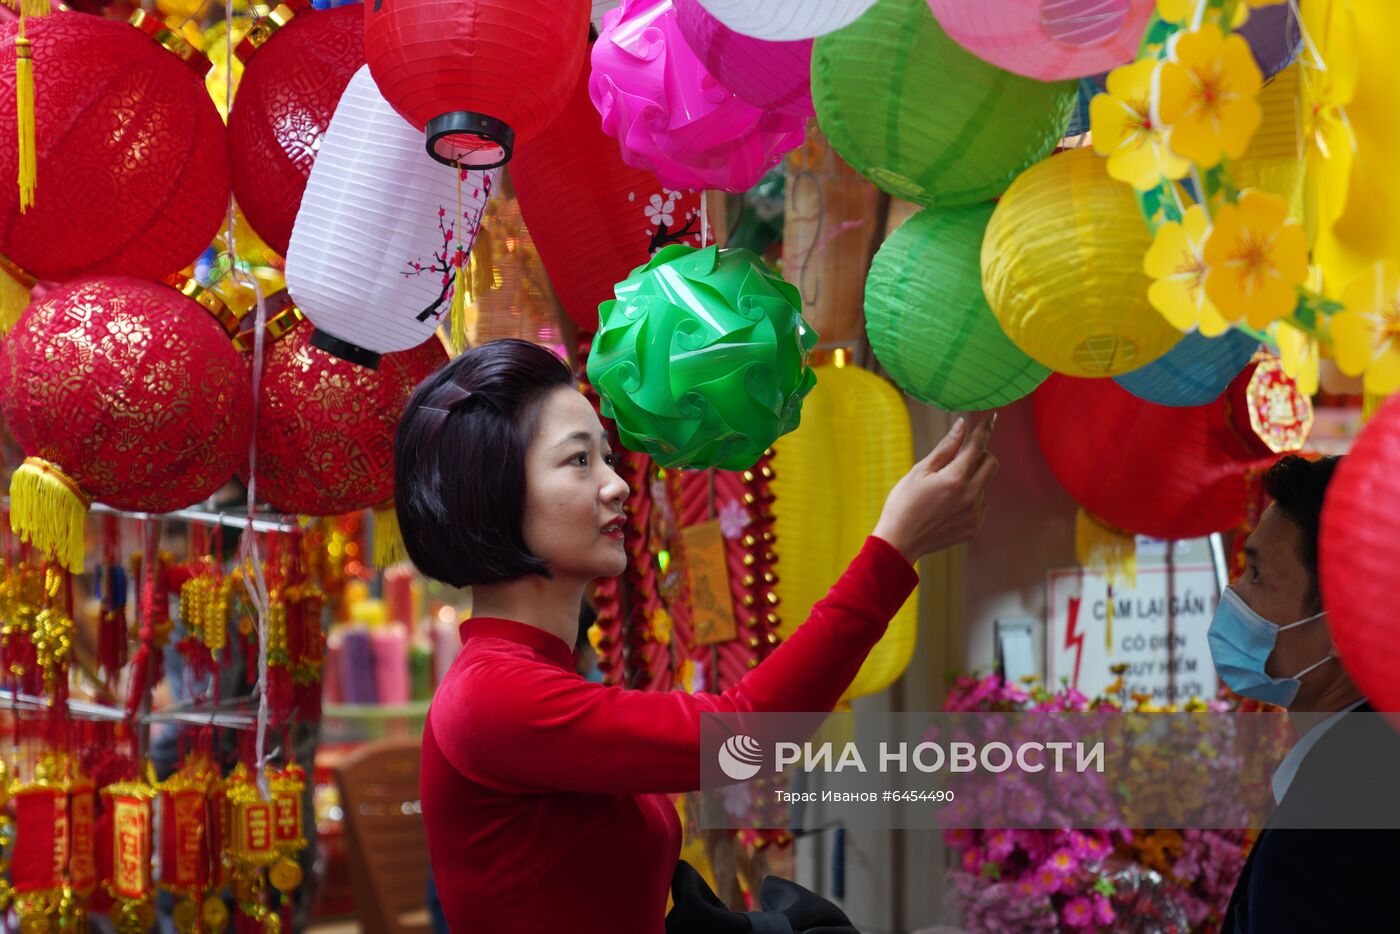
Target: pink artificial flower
1103, 910
1048, 880
1000, 845
972, 859
960, 838
1078, 912
1063, 862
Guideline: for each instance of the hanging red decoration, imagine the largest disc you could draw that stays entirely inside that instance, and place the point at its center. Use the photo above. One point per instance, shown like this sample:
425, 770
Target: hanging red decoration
297, 62
123, 391
1161, 471
132, 172
326, 426
479, 77
1357, 554
573, 178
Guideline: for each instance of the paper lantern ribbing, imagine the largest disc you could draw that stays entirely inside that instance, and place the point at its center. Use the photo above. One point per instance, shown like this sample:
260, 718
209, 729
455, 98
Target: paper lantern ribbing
478, 77
1150, 469
702, 358
669, 115
1357, 555
132, 171
786, 20
928, 323
1062, 270
326, 426
925, 119
1194, 372
1047, 39
837, 468
373, 256
122, 391
573, 179
293, 76
769, 75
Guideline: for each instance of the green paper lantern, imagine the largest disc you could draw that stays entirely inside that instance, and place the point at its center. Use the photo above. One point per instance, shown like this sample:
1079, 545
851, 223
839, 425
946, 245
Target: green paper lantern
702, 358
925, 119
928, 323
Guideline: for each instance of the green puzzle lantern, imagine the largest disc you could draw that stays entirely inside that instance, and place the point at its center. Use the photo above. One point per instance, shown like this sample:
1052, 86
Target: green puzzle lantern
702, 358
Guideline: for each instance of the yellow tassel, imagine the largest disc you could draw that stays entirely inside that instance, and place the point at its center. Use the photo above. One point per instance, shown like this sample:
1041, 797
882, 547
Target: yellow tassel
14, 298
24, 105
48, 509
388, 541
1112, 551
458, 339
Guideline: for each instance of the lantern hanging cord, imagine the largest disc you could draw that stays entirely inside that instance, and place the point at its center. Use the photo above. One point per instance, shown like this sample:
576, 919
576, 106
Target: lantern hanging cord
704, 220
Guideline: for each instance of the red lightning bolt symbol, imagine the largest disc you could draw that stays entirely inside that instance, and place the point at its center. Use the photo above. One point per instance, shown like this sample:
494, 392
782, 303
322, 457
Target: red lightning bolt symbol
1074, 640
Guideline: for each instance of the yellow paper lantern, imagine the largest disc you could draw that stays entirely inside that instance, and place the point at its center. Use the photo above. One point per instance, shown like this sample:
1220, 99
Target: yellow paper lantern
1274, 159
1062, 269
831, 478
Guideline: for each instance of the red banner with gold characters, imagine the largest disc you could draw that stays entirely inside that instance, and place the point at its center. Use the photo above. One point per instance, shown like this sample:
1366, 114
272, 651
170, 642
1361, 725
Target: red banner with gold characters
130, 804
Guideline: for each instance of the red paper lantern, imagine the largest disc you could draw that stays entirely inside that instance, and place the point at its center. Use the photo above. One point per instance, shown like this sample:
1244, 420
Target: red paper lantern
296, 68
326, 426
477, 76
122, 391
132, 172
573, 179
1161, 471
1358, 552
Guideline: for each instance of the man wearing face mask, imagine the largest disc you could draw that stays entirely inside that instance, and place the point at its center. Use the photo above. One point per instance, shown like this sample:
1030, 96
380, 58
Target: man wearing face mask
1270, 641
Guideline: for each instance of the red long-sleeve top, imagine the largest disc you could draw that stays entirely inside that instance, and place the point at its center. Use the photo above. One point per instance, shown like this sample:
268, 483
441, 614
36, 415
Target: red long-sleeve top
544, 793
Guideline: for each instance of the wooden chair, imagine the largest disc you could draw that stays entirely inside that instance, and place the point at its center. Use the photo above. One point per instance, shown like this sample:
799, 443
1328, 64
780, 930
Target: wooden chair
386, 841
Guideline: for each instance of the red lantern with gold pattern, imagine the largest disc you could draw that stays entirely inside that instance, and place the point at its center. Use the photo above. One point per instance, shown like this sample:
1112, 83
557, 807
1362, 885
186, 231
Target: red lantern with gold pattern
123, 391
477, 76
131, 168
326, 426
1358, 552
1168, 472
573, 179
297, 62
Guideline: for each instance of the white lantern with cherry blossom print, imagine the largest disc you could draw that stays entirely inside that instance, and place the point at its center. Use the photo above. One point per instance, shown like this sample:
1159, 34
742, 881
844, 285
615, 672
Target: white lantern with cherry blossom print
382, 231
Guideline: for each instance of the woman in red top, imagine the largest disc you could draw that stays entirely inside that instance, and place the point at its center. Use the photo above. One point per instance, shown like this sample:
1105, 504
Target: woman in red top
544, 794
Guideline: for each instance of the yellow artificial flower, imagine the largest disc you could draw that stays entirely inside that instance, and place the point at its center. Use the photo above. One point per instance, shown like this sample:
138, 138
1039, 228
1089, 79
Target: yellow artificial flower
1174, 11
1177, 265
1122, 128
1298, 355
1329, 145
1256, 259
1366, 336
1207, 96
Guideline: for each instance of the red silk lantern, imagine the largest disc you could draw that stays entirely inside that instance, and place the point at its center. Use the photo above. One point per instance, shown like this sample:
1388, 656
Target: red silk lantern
325, 425
573, 178
1357, 554
123, 391
295, 69
1166, 472
477, 76
132, 171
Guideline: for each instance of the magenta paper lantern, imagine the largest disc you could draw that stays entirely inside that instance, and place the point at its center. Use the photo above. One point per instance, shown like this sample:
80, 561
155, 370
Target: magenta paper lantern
670, 115
1047, 39
769, 75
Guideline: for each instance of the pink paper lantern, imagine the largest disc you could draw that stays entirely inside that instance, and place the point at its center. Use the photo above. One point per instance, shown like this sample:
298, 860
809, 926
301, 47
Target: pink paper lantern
1047, 39
669, 114
769, 75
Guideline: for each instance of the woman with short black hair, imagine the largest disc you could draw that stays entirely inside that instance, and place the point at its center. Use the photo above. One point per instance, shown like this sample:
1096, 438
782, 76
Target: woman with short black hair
544, 793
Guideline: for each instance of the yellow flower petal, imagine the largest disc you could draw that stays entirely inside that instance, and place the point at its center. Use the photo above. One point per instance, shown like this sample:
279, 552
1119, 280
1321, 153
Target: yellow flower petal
1298, 356
1256, 259
1123, 130
1173, 11
1207, 95
1383, 375
1175, 263
1352, 343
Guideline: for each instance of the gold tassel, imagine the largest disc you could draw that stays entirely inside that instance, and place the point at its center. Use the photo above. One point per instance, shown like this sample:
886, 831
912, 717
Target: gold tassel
24, 101
48, 509
458, 339
388, 540
1103, 548
14, 298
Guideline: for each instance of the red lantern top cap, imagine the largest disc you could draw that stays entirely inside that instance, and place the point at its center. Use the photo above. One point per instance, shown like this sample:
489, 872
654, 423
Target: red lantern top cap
467, 140
262, 30
172, 41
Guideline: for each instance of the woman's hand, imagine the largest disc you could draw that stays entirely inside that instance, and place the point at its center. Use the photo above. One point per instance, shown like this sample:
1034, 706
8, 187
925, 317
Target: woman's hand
941, 500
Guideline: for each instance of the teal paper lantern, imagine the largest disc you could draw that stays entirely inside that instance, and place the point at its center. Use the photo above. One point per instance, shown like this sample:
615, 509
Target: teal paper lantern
928, 323
923, 118
702, 358
1194, 372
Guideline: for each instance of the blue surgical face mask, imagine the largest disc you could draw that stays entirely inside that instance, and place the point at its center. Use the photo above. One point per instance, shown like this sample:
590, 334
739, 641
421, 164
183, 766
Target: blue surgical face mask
1240, 642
